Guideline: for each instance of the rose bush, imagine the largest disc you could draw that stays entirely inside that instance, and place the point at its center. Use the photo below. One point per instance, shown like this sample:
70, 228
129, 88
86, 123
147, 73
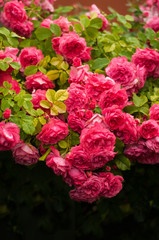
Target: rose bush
80, 93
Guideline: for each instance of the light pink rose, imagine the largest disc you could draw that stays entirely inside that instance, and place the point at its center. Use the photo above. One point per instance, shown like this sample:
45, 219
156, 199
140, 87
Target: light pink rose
53, 132
47, 5
149, 129
153, 23
14, 11
113, 97
25, 154
63, 23
77, 99
30, 56
38, 95
114, 117
96, 84
97, 137
70, 46
46, 23
9, 135
38, 81
58, 164
112, 185
23, 29
96, 118
154, 112
89, 191
148, 58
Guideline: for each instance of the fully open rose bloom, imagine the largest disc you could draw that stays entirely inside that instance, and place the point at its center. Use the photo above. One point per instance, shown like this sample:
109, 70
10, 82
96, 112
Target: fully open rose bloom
15, 11
154, 112
38, 81
149, 129
114, 117
53, 132
37, 96
23, 29
75, 177
9, 135
71, 46
25, 154
30, 56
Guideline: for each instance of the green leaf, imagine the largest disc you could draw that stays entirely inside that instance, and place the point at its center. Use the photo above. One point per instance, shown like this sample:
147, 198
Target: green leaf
45, 104
61, 95
42, 158
13, 41
36, 23
43, 33
55, 29
7, 85
91, 32
150, 34
30, 70
28, 105
60, 107
28, 127
129, 18
4, 66
64, 9
144, 109
78, 27
84, 21
25, 43
122, 162
4, 31
53, 111
8, 59
62, 144
142, 36
50, 95
139, 101
42, 120
131, 109
42, 69
110, 48
52, 74
100, 63
96, 23
15, 65
119, 145
4, 104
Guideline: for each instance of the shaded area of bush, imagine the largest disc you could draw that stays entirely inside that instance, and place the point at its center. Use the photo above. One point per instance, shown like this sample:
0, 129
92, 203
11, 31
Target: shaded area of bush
34, 203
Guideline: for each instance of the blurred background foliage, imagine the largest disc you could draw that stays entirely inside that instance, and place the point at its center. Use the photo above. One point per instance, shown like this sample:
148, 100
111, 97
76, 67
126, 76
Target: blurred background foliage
35, 204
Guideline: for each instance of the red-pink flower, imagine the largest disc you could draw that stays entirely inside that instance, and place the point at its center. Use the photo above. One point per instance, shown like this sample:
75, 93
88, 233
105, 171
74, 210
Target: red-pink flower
96, 84
7, 113
79, 74
154, 112
149, 129
14, 11
113, 97
114, 117
4, 76
97, 137
70, 46
25, 154
75, 177
23, 29
38, 81
153, 144
9, 135
38, 95
46, 23
53, 132
30, 56
63, 23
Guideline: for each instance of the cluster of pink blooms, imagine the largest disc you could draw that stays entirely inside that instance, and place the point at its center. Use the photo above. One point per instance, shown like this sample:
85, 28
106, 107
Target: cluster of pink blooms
151, 14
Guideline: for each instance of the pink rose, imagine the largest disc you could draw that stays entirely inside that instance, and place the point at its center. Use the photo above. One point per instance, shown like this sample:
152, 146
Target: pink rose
77, 62
38, 95
9, 52
112, 185
96, 84
38, 81
58, 164
96, 118
4, 76
114, 117
153, 144
154, 112
148, 58
79, 74
97, 137
25, 154
77, 99
23, 29
153, 23
47, 5
75, 177
128, 131
89, 191
14, 11
149, 129
46, 23
9, 135
7, 113
150, 158
53, 132
63, 23
114, 97
70, 46
4, 20
30, 56
122, 71
136, 150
